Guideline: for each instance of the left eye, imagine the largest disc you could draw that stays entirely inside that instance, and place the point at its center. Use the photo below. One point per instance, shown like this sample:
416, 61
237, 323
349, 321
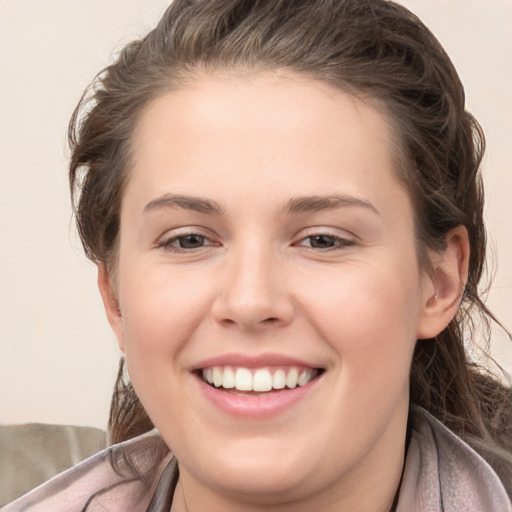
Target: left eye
325, 242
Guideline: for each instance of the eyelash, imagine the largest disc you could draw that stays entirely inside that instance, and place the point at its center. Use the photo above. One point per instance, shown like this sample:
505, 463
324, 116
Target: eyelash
167, 244
338, 242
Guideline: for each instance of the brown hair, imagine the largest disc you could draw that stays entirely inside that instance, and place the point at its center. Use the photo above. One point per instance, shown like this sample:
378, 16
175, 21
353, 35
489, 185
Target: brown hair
374, 49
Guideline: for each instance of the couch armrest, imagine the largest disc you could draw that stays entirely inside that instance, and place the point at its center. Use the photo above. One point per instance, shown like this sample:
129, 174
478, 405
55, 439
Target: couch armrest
32, 453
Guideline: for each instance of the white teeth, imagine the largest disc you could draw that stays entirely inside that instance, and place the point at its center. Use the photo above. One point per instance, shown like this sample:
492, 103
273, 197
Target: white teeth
279, 379
243, 380
292, 378
260, 380
217, 377
304, 376
228, 379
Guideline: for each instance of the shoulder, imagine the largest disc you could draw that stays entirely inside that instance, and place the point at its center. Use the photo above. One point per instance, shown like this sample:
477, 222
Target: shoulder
119, 478
443, 473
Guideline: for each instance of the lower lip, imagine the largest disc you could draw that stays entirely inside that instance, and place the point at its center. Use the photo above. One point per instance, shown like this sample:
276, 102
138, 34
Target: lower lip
255, 406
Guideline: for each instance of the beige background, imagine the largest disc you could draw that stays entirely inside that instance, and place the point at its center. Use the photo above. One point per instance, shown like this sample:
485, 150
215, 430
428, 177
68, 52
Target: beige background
57, 356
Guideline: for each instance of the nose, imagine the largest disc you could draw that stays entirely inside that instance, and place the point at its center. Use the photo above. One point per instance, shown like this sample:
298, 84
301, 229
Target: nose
254, 291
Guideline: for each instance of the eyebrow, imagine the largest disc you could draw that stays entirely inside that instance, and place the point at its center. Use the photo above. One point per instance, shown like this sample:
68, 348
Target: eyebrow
318, 203
294, 205
197, 204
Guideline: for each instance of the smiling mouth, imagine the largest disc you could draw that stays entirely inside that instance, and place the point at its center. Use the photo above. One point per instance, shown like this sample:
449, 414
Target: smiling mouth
259, 380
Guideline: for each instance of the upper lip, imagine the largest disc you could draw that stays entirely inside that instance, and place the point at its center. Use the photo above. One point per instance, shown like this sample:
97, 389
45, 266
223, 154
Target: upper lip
253, 361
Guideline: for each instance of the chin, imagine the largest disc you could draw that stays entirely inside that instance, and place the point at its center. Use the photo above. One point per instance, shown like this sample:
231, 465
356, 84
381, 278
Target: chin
260, 475
260, 483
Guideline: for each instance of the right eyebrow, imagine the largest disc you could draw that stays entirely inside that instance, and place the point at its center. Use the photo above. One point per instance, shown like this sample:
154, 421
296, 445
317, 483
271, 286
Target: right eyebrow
197, 204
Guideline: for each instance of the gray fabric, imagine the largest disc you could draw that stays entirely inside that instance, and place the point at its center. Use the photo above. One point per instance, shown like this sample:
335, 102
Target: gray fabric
32, 453
441, 474
103, 483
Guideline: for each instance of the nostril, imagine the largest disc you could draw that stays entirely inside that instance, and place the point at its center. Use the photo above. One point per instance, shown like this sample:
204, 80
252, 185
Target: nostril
266, 321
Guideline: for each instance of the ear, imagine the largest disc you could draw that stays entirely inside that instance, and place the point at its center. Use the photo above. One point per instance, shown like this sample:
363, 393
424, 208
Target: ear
111, 304
445, 284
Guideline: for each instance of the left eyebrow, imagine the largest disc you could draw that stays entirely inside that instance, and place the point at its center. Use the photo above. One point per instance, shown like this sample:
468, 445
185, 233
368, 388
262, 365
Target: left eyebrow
318, 203
197, 204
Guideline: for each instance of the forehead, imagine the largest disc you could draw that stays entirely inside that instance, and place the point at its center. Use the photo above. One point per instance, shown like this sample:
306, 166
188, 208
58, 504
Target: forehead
258, 99
269, 128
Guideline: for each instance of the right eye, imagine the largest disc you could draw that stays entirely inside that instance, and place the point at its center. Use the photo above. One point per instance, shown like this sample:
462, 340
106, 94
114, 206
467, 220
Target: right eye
185, 242
189, 241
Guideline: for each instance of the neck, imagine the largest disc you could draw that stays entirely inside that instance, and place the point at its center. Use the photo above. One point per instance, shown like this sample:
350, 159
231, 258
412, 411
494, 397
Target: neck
374, 494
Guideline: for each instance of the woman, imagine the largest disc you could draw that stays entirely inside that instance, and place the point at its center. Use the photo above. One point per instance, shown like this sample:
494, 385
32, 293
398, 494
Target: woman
284, 204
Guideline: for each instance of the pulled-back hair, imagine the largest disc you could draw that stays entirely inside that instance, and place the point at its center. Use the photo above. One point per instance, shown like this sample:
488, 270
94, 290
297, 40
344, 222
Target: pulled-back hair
373, 49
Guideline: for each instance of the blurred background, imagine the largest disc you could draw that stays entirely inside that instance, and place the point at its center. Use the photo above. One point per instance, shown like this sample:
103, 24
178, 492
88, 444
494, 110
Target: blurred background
58, 357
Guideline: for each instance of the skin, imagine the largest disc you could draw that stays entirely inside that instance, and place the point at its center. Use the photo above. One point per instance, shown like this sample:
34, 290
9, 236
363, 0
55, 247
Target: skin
261, 283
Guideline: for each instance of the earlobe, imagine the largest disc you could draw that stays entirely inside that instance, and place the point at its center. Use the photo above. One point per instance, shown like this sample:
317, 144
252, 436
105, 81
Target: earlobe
111, 304
447, 282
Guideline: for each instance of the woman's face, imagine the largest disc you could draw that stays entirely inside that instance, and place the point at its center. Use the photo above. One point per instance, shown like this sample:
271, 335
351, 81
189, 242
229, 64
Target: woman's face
264, 235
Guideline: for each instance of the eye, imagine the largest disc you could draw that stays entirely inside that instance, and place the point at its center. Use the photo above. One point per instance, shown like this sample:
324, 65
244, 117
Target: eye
192, 241
185, 242
325, 242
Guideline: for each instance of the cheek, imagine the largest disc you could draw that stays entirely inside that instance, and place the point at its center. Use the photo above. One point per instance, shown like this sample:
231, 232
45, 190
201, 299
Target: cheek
160, 313
369, 315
